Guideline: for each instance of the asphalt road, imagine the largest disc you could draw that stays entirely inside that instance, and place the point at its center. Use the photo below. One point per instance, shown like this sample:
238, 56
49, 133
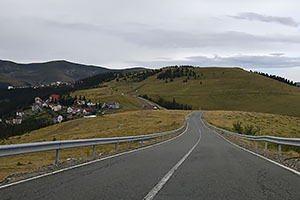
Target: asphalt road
214, 170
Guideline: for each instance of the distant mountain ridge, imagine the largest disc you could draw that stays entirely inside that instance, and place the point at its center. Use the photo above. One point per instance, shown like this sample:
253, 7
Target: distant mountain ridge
16, 74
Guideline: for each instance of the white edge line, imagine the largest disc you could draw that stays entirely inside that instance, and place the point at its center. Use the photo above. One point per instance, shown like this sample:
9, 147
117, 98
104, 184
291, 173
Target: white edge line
93, 161
272, 161
165, 179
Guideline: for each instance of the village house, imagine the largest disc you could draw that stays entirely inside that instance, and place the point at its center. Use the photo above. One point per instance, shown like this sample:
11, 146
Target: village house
36, 107
79, 102
45, 105
76, 111
17, 120
57, 119
103, 105
91, 104
54, 98
88, 111
113, 105
55, 107
20, 113
69, 110
38, 100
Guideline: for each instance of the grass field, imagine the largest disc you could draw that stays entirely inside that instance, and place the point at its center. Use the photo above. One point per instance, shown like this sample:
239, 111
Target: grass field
270, 124
114, 125
221, 89
105, 94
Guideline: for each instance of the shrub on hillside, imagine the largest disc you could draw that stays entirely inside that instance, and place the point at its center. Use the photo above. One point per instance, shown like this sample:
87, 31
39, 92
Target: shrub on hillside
250, 130
237, 126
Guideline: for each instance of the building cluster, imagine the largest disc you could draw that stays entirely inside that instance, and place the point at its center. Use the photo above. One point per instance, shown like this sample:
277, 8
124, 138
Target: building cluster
53, 84
80, 108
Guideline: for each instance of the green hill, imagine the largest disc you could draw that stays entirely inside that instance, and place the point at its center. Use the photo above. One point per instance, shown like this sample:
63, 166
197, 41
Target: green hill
214, 88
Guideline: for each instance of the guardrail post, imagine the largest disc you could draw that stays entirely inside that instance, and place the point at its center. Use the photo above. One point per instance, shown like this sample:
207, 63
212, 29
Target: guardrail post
116, 147
142, 142
266, 146
130, 144
94, 150
248, 142
57, 156
150, 141
256, 145
279, 149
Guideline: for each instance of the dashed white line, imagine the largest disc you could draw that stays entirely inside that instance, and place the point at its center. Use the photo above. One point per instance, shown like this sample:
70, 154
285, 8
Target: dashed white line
165, 179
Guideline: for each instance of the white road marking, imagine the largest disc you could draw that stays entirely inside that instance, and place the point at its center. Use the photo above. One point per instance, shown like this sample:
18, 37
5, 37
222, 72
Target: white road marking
272, 161
93, 161
165, 179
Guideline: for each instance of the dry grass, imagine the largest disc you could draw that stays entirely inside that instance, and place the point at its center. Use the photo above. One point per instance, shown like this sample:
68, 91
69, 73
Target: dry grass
114, 125
270, 124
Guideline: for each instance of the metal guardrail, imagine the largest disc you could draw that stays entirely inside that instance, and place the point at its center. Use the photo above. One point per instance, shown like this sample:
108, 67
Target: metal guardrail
277, 140
16, 149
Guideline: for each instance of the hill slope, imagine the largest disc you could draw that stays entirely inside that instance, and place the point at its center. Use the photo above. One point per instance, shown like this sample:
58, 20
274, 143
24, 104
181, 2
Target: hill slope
219, 89
12, 73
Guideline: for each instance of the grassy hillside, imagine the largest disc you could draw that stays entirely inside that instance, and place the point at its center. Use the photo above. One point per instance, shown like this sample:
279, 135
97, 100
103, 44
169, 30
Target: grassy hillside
106, 94
114, 125
269, 124
220, 89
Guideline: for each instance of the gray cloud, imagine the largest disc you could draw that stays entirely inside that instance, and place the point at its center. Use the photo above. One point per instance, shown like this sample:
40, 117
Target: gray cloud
150, 36
155, 33
244, 61
276, 54
288, 21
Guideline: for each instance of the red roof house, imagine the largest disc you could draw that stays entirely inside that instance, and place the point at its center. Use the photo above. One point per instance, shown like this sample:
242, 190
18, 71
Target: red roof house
54, 97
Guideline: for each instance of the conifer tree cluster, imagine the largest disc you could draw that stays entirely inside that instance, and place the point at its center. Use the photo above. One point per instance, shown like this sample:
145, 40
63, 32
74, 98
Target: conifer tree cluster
278, 78
169, 104
178, 71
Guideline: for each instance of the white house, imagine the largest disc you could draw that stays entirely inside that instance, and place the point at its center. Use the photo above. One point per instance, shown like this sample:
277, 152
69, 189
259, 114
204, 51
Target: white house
103, 105
91, 104
69, 110
113, 105
20, 113
17, 120
56, 108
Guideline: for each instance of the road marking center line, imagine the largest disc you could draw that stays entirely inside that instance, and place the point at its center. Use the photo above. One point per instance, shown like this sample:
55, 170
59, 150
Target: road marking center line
165, 179
267, 159
93, 161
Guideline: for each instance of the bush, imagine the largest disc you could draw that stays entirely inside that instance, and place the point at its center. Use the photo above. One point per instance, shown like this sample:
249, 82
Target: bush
250, 130
237, 126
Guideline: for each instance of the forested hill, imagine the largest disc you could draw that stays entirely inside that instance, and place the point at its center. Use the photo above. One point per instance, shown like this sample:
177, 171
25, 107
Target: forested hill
16, 74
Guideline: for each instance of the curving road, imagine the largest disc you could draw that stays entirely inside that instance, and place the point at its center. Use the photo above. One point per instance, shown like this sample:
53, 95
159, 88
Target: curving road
197, 165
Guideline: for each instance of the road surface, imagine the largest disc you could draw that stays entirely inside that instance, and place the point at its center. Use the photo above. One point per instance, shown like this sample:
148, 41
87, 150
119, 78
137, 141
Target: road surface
213, 169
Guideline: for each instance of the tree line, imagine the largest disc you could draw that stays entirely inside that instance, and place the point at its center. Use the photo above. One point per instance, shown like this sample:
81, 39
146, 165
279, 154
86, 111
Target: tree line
138, 76
168, 104
278, 78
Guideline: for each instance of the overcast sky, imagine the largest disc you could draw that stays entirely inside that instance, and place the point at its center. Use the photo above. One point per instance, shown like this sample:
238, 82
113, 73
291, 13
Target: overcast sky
261, 35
